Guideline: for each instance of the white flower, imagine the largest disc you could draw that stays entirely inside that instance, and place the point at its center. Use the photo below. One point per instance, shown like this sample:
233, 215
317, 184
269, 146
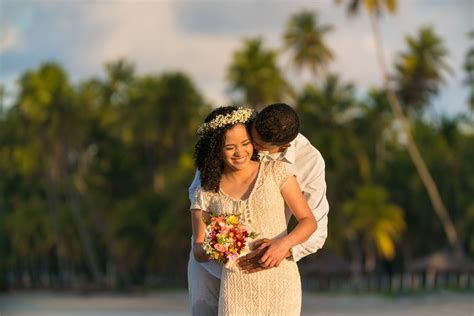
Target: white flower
241, 115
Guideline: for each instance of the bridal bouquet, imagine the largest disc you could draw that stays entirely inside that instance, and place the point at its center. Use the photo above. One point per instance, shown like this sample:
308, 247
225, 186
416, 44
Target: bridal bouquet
226, 237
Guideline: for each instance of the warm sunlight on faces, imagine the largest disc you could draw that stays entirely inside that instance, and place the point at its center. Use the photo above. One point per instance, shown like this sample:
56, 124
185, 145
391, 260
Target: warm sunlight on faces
238, 148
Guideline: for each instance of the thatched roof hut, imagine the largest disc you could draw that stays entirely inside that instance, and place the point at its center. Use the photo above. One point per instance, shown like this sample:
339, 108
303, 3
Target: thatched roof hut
442, 261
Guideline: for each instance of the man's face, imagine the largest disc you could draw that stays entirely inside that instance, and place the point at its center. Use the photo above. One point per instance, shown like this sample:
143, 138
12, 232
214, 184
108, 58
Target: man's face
260, 145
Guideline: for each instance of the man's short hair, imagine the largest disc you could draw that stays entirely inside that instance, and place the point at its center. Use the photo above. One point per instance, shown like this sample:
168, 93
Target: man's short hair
277, 124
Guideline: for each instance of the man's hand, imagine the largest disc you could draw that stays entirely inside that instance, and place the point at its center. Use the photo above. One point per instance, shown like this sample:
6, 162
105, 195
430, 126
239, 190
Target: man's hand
250, 262
257, 243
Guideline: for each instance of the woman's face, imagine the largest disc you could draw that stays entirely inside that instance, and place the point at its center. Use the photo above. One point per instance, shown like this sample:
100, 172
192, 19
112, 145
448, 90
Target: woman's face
238, 148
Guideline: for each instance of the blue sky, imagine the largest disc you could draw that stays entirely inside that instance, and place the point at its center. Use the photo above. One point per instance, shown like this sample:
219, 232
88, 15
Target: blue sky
199, 37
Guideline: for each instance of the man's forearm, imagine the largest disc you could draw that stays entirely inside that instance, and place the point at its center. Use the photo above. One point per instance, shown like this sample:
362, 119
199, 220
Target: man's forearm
314, 243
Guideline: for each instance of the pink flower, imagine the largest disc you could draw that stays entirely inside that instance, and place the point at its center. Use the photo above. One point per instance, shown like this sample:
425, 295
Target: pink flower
220, 248
244, 229
225, 230
232, 256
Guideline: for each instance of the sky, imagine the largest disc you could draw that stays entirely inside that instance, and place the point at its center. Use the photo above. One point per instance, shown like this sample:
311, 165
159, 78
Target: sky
199, 37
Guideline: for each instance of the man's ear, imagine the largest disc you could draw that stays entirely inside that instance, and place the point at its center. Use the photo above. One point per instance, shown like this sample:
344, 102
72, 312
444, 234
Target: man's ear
282, 148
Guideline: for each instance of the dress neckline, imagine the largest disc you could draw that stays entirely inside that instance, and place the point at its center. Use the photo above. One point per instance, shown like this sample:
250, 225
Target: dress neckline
257, 178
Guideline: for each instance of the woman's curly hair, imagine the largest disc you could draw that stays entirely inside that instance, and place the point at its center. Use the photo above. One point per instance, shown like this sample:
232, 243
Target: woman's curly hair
208, 152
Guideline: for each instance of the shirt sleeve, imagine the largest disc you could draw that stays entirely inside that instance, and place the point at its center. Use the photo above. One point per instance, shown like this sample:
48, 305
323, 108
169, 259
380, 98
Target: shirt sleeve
314, 192
194, 185
200, 200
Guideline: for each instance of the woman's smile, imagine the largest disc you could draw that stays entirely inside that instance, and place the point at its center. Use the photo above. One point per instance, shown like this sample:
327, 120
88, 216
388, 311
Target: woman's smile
240, 160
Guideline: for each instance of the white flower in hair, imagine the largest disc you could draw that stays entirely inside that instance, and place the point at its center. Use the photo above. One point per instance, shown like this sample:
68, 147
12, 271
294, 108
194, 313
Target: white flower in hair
241, 115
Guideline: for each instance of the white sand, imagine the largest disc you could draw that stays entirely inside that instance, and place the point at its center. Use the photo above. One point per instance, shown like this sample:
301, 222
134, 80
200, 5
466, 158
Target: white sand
175, 303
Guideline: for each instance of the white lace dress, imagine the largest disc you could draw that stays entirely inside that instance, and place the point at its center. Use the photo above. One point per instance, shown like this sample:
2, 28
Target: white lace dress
276, 291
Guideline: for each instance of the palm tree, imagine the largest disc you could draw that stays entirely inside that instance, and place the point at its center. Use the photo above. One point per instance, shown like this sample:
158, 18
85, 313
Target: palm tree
469, 68
2, 98
304, 37
373, 224
119, 74
47, 104
327, 105
327, 118
419, 71
378, 122
375, 9
255, 75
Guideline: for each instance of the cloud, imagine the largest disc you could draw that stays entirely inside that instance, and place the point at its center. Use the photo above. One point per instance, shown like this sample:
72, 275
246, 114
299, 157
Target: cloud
199, 38
8, 38
147, 34
236, 18
48, 32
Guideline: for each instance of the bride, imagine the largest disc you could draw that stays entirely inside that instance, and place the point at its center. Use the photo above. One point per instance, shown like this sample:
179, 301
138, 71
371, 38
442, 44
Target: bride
233, 180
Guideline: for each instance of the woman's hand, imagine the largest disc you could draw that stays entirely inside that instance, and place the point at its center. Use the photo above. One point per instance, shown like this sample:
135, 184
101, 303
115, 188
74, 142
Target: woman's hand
199, 227
199, 254
277, 251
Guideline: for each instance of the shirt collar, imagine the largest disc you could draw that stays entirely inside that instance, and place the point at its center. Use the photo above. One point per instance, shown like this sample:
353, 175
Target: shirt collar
289, 154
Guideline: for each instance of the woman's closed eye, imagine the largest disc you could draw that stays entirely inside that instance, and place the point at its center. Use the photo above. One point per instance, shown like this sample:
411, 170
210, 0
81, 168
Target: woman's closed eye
232, 147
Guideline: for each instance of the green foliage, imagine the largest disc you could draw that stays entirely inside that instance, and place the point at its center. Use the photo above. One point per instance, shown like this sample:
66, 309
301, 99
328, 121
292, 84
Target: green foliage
91, 174
374, 220
254, 74
29, 229
45, 92
376, 7
467, 228
469, 69
420, 70
2, 100
304, 38
94, 175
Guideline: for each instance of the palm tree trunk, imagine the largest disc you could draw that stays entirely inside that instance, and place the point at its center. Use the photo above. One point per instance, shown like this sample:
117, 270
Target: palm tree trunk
356, 264
53, 205
84, 236
413, 151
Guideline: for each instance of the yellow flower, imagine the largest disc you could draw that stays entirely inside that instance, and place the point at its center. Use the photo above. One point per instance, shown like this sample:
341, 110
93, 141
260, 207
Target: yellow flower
233, 220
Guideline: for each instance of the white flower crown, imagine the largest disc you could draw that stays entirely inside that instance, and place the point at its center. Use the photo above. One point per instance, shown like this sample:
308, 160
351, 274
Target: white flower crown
241, 115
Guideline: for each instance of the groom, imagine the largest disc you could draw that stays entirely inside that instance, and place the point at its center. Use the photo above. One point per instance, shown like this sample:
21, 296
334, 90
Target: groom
275, 134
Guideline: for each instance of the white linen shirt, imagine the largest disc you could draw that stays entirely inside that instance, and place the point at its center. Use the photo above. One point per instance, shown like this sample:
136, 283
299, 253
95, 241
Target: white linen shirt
307, 164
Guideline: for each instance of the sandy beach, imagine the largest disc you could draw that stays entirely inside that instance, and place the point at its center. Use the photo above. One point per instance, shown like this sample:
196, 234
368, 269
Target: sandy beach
175, 303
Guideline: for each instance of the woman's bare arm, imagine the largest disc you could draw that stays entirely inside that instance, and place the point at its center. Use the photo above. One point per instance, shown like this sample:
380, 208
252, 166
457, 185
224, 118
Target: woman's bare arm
199, 227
